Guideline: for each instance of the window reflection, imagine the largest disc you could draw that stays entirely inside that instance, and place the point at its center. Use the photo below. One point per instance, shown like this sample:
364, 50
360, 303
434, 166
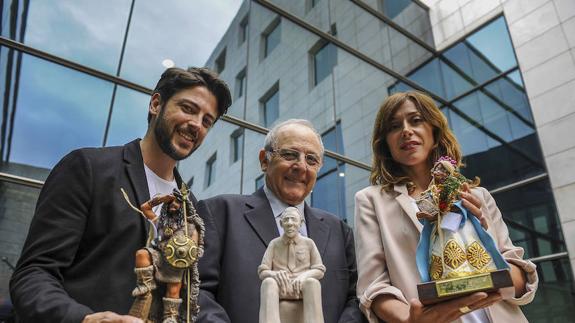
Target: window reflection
493, 44
129, 117
58, 110
87, 32
512, 95
534, 219
324, 59
271, 37
270, 106
329, 191
554, 295
173, 30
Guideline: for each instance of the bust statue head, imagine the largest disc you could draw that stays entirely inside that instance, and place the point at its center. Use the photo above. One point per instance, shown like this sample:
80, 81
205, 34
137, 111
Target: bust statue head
291, 221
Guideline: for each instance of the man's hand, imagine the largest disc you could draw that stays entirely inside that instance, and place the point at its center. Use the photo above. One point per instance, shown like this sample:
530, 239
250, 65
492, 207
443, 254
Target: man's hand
450, 310
282, 278
110, 317
472, 204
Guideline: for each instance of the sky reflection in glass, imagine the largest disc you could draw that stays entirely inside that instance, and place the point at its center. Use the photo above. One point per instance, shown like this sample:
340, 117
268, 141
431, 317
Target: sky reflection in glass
58, 110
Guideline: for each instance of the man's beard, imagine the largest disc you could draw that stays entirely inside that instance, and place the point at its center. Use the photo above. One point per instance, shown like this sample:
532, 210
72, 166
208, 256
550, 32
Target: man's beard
164, 139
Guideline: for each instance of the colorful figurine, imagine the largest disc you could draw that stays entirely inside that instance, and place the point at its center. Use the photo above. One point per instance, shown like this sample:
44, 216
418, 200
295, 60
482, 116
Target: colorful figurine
454, 244
175, 243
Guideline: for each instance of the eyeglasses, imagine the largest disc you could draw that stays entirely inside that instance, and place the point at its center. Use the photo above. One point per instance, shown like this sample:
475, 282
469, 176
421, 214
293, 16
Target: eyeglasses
291, 155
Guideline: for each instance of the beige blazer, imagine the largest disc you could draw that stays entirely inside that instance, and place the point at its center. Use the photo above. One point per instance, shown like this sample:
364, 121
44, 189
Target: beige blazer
387, 234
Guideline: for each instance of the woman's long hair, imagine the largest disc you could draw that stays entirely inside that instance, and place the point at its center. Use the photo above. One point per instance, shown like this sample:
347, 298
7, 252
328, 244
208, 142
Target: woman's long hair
386, 171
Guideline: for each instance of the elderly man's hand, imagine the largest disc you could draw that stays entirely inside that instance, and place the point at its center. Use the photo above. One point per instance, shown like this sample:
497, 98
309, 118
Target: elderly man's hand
472, 204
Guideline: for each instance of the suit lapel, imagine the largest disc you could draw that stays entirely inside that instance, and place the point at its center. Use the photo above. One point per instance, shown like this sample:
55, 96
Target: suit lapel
260, 217
134, 165
317, 230
406, 204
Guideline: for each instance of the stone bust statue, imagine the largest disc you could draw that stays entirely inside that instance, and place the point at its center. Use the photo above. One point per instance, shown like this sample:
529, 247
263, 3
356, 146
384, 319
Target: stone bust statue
290, 272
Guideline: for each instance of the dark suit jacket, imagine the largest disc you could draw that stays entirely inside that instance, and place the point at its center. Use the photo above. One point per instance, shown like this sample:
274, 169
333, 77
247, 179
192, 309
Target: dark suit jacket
238, 231
79, 255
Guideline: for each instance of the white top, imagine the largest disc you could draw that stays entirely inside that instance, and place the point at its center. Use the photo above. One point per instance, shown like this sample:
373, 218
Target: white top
158, 186
278, 207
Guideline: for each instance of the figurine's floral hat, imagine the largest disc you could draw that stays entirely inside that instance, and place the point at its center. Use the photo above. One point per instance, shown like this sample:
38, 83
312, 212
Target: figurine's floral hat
446, 158
448, 162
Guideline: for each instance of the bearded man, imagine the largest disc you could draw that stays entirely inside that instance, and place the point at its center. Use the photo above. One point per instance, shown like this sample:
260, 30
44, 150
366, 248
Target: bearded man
78, 259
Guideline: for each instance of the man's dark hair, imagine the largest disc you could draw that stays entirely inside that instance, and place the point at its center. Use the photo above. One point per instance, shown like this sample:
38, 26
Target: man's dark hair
175, 79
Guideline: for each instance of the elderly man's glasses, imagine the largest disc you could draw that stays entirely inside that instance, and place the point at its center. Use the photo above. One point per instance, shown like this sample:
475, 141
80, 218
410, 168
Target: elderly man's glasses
291, 155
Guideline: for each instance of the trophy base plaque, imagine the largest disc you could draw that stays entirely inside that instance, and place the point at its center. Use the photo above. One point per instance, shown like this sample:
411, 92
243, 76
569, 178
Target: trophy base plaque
441, 290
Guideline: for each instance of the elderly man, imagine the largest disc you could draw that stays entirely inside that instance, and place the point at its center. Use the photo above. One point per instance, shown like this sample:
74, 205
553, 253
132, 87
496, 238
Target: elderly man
291, 270
240, 227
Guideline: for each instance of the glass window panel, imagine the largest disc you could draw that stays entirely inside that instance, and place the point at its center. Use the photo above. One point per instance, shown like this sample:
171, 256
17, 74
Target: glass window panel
530, 209
399, 87
469, 63
392, 8
480, 154
512, 95
493, 116
240, 84
333, 141
471, 139
324, 61
243, 30
516, 77
493, 43
87, 32
221, 62
218, 141
271, 109
190, 184
554, 295
129, 117
236, 145
329, 193
210, 170
183, 31
272, 39
58, 110
429, 77
453, 82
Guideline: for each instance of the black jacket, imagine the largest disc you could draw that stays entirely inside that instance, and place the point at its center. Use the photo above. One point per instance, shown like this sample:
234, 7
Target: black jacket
79, 254
238, 231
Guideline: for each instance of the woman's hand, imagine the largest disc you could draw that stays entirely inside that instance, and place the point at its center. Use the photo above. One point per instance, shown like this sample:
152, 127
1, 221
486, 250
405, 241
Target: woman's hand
472, 204
391, 309
449, 310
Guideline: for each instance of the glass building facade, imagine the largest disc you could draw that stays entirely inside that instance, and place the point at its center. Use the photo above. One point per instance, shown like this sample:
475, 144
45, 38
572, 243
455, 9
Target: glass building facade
79, 73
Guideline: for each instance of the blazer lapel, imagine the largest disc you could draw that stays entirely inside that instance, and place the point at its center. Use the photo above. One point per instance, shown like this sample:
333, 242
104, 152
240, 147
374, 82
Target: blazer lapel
317, 230
406, 204
134, 165
260, 217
